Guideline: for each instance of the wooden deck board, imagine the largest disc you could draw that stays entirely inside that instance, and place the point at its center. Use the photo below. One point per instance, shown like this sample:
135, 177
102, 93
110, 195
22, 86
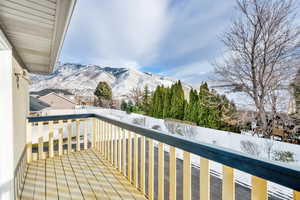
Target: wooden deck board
78, 175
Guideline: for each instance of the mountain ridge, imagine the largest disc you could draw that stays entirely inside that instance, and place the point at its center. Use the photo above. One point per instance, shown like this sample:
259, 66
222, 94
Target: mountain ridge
82, 79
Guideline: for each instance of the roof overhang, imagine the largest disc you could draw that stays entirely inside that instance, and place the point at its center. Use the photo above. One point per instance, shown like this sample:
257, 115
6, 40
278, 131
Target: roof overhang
35, 31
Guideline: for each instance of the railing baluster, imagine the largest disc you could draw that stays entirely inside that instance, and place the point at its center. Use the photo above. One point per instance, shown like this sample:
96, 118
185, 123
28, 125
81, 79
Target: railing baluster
204, 179
41, 141
98, 134
51, 146
103, 137
60, 139
69, 136
172, 174
41, 148
160, 175
111, 143
77, 134
51, 133
142, 178
29, 142
186, 175
135, 161
129, 154
296, 195
259, 189
151, 171
228, 187
116, 146
119, 149
94, 133
106, 140
85, 137
124, 152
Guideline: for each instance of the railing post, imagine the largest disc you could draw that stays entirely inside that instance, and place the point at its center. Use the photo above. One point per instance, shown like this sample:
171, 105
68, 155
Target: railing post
85, 137
186, 175
69, 136
204, 179
259, 189
228, 187
77, 134
135, 161
29, 141
172, 174
51, 133
142, 180
151, 171
160, 175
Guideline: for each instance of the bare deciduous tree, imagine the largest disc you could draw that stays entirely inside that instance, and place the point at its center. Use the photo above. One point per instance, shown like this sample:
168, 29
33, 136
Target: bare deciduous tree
263, 47
136, 94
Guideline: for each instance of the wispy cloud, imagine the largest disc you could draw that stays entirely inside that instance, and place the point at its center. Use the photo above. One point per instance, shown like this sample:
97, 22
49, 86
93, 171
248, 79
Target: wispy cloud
180, 37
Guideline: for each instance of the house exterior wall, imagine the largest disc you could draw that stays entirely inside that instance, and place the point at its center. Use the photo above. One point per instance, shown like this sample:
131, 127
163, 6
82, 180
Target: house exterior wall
57, 102
20, 111
13, 112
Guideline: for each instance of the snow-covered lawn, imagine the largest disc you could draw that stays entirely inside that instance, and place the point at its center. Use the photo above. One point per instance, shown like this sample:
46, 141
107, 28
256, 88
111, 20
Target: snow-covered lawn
263, 148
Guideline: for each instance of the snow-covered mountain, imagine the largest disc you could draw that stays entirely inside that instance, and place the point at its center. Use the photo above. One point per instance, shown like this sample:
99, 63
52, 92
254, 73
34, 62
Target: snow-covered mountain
83, 79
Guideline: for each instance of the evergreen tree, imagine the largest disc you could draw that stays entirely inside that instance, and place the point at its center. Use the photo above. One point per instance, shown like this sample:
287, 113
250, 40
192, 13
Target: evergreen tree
123, 105
146, 99
177, 101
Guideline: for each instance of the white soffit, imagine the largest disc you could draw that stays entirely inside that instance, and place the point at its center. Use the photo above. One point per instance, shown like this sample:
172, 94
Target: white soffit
36, 30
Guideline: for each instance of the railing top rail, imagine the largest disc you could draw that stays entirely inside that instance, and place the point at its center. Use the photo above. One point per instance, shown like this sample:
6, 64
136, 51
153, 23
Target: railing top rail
276, 172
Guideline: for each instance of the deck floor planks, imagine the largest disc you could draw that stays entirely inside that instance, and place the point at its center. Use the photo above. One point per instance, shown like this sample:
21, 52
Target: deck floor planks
51, 180
29, 183
62, 185
101, 174
124, 188
40, 181
95, 185
71, 179
78, 175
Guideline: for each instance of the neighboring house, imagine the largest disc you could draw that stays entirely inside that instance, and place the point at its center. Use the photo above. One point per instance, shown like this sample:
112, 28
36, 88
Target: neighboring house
44, 92
36, 105
31, 38
57, 101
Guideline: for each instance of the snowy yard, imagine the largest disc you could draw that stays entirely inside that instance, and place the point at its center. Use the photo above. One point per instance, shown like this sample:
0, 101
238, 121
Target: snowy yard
254, 146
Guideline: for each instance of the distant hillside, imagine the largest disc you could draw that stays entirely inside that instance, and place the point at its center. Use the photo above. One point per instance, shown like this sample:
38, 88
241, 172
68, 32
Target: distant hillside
83, 79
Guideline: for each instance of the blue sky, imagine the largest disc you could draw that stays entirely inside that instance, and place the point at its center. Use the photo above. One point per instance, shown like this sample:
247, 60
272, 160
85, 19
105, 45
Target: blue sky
177, 38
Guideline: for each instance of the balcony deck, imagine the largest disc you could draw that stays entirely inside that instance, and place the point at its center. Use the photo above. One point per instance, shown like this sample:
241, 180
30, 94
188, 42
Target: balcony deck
80, 175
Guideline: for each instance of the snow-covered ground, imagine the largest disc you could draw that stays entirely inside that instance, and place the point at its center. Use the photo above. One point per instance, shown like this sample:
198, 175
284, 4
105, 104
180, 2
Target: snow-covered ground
263, 148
